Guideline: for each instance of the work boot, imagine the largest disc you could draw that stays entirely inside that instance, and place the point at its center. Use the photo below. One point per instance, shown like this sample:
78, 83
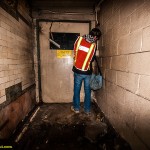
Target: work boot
75, 111
88, 114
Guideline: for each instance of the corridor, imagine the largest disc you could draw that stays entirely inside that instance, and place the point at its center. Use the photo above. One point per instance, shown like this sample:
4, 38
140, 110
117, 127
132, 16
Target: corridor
37, 82
56, 127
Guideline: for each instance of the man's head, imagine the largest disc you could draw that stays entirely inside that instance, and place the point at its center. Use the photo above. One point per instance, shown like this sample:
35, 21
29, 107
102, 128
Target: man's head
96, 33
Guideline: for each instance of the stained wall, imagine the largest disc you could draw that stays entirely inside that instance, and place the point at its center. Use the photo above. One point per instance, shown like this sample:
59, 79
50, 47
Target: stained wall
124, 60
17, 83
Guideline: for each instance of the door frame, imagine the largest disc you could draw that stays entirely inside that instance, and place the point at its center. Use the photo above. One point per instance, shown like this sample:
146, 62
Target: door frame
38, 21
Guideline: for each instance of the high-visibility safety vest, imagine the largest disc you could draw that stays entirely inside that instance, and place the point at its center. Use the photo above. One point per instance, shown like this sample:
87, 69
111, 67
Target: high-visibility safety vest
83, 53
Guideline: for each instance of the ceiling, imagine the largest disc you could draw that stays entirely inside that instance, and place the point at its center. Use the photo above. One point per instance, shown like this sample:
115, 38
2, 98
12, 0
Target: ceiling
64, 5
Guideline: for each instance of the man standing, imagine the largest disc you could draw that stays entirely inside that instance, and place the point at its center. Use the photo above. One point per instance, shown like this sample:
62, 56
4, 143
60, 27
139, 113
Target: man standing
84, 53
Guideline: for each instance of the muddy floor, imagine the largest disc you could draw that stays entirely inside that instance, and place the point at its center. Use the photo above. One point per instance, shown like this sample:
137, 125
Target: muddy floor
56, 127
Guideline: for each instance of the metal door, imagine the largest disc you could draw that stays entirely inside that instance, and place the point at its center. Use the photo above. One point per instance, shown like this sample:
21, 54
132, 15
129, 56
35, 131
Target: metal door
56, 71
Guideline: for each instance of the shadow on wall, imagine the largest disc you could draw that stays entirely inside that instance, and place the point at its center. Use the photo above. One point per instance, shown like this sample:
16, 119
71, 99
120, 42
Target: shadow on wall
15, 111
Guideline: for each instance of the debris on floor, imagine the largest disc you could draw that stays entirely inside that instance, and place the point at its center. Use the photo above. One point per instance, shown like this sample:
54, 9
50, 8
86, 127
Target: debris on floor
56, 127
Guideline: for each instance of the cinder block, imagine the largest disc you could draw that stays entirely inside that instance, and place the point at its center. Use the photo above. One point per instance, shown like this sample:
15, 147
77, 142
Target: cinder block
123, 45
130, 100
111, 109
2, 99
140, 17
12, 77
146, 39
105, 51
122, 29
3, 43
114, 118
116, 18
103, 70
111, 75
139, 3
2, 11
135, 41
116, 94
120, 96
2, 86
1, 61
2, 74
3, 55
3, 31
115, 35
139, 63
116, 5
137, 121
107, 37
106, 62
107, 11
128, 81
13, 56
12, 67
4, 79
126, 9
17, 81
110, 88
10, 61
142, 130
130, 43
9, 83
113, 48
144, 88
109, 24
135, 142
119, 62
5, 26
9, 72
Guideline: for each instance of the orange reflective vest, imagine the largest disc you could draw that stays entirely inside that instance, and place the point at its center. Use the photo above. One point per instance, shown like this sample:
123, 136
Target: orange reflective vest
83, 54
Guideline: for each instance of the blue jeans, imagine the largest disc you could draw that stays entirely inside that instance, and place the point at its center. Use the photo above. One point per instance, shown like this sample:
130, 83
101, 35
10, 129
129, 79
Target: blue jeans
78, 78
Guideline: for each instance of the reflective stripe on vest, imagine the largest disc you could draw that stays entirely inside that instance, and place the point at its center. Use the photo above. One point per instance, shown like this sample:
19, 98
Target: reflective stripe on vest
87, 57
77, 47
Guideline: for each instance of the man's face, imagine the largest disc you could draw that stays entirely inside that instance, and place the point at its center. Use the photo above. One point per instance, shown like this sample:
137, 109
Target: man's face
95, 38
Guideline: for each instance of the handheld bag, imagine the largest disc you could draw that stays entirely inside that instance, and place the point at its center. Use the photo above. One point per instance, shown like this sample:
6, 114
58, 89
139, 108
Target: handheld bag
96, 79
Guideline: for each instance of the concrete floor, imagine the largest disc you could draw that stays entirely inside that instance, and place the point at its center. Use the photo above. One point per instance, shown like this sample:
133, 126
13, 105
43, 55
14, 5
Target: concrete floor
56, 127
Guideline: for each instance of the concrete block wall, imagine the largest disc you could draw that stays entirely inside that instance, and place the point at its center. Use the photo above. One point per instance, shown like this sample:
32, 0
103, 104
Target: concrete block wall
16, 59
16, 67
125, 59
